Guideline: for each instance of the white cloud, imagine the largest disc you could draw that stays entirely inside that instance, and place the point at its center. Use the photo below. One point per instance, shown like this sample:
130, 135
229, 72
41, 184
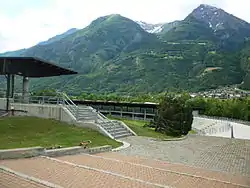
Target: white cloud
26, 23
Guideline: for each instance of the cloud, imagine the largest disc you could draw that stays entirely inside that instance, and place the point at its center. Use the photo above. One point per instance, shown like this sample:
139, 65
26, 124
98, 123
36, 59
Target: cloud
27, 22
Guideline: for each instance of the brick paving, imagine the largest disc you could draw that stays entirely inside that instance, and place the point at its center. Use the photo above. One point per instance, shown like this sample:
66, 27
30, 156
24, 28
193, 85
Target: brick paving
200, 162
157, 172
115, 170
214, 153
8, 180
69, 176
179, 168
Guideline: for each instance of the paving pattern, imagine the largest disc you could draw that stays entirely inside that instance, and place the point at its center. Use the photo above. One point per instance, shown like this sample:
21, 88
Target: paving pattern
116, 170
198, 161
214, 153
9, 180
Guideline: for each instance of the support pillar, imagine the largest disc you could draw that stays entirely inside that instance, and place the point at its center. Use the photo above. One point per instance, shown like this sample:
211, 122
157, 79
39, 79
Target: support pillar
145, 115
12, 85
25, 89
8, 93
232, 131
121, 111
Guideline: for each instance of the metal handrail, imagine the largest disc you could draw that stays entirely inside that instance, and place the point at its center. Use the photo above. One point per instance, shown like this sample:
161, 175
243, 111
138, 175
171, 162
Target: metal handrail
71, 106
68, 99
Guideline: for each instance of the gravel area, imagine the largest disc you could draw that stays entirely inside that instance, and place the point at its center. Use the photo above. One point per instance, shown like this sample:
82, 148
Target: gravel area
221, 154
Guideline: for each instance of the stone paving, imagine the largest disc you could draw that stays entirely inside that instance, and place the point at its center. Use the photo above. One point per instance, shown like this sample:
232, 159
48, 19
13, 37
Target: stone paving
109, 170
197, 161
9, 180
221, 154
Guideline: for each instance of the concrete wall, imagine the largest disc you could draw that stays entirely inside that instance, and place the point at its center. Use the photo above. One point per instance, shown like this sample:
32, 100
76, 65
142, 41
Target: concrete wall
39, 151
3, 103
21, 153
37, 110
76, 150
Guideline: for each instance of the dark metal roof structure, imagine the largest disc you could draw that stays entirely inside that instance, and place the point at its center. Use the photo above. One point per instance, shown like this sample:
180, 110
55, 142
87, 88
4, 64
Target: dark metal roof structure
114, 103
31, 67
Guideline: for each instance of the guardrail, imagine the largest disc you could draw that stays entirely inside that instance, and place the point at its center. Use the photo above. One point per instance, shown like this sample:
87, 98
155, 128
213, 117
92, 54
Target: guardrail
224, 119
60, 98
39, 99
70, 105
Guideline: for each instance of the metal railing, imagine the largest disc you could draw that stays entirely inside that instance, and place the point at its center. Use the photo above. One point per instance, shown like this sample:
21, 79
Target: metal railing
69, 104
38, 99
60, 98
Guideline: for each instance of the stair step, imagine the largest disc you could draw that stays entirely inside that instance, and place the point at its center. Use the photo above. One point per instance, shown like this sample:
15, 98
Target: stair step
87, 118
117, 130
87, 115
108, 127
123, 135
87, 112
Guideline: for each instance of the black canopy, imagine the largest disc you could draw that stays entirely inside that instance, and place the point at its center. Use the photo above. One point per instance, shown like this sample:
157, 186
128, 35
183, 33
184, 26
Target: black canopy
31, 67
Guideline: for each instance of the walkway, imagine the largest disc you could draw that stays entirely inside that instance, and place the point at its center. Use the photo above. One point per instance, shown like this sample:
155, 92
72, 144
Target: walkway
214, 153
112, 170
136, 166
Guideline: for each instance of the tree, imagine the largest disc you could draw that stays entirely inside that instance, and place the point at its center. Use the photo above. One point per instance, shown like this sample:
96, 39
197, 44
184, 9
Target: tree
174, 115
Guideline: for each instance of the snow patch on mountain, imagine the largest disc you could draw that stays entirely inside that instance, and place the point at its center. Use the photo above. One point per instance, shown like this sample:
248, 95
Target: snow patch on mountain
151, 28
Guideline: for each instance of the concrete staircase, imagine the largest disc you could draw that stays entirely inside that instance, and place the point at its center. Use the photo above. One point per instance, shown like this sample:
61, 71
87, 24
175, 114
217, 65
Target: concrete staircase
115, 128
86, 113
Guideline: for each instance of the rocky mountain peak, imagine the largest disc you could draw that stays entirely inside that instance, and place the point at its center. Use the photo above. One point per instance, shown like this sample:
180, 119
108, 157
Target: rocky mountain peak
217, 19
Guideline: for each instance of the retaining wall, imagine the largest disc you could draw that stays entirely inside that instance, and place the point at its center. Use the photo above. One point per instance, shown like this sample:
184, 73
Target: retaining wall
40, 151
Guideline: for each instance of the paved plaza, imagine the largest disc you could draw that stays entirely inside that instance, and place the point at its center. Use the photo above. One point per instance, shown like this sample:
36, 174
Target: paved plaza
214, 153
198, 161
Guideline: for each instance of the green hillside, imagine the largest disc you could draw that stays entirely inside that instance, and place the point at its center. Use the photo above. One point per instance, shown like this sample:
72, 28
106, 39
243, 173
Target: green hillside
115, 55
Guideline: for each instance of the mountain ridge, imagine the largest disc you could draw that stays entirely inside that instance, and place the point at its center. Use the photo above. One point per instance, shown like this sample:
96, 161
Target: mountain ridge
116, 54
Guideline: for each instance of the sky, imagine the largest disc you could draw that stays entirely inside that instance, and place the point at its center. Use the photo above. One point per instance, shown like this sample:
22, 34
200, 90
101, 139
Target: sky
24, 23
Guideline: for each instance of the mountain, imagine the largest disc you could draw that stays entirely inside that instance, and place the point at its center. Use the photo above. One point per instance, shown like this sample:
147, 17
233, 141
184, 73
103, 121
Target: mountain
58, 37
219, 20
158, 28
245, 65
114, 54
151, 28
104, 39
13, 53
168, 26
210, 23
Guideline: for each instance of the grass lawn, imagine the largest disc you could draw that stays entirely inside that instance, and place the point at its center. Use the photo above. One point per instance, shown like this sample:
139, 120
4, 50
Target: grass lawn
192, 132
137, 127
18, 132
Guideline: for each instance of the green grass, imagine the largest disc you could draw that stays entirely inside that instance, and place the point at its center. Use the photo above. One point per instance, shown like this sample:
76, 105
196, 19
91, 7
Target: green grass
137, 127
192, 132
18, 132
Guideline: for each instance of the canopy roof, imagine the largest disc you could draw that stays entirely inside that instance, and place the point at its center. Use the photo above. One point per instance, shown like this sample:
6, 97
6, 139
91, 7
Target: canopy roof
31, 67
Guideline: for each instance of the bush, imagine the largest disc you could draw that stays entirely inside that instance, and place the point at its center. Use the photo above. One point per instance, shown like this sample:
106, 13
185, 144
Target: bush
174, 115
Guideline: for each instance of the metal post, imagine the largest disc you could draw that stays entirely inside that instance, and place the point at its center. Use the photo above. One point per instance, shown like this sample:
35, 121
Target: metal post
12, 85
8, 93
232, 131
77, 113
25, 89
